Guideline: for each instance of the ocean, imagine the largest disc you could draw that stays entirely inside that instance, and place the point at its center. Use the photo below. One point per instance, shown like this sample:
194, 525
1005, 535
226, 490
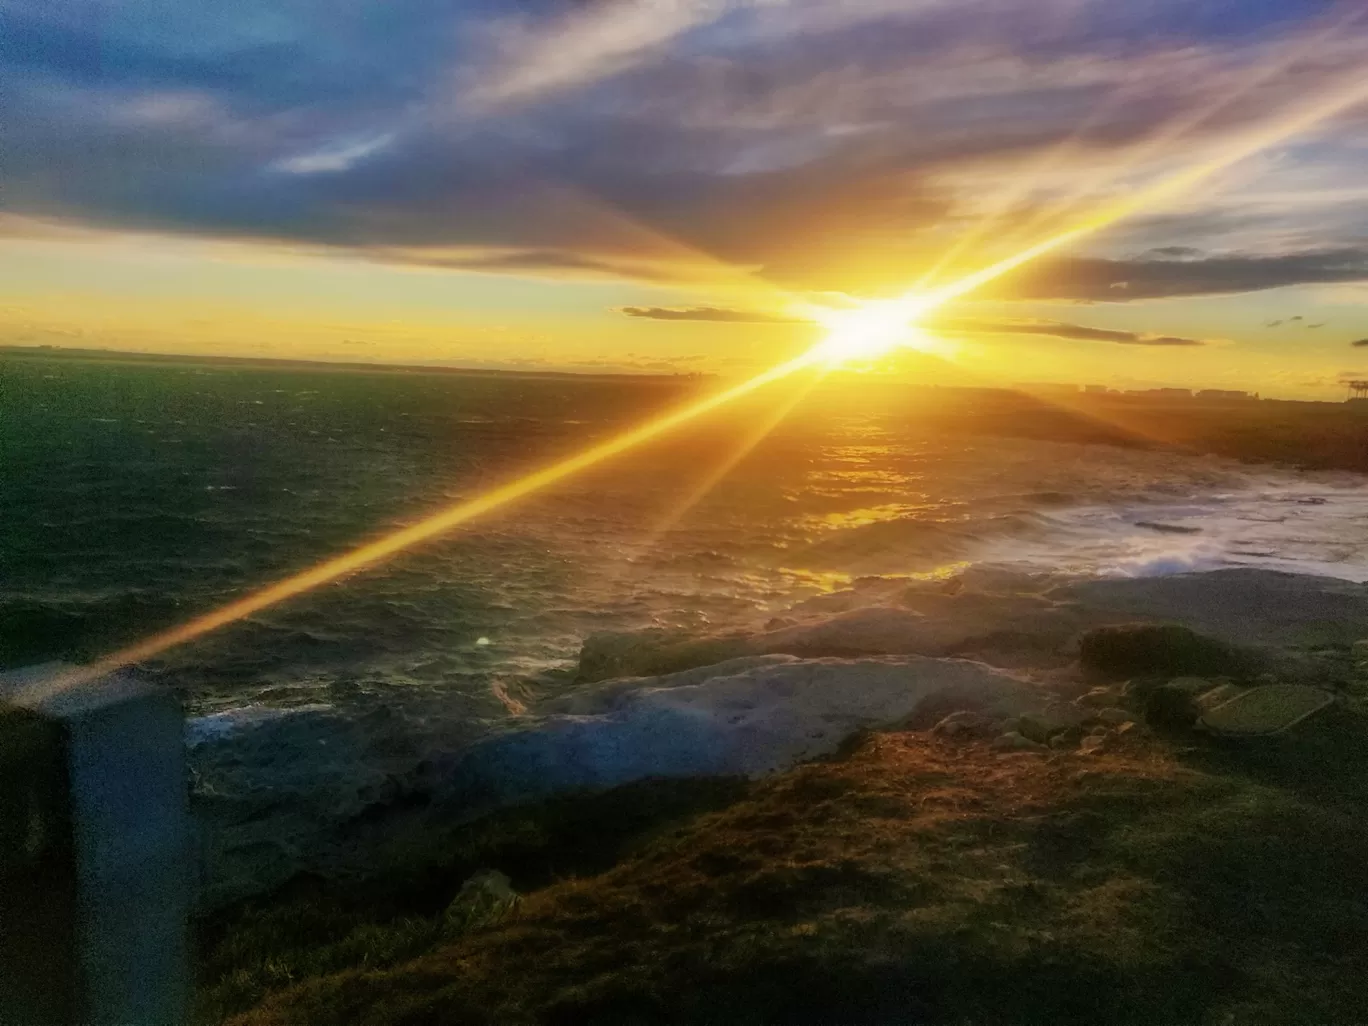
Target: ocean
137, 495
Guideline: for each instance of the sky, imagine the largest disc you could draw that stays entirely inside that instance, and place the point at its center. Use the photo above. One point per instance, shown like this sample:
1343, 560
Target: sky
666, 185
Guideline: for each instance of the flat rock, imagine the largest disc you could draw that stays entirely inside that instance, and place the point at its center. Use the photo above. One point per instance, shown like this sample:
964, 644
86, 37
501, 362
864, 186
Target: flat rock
1158, 650
737, 722
1266, 710
1241, 606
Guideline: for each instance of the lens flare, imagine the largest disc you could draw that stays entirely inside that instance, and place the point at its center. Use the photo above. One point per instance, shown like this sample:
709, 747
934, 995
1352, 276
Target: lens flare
873, 329
862, 333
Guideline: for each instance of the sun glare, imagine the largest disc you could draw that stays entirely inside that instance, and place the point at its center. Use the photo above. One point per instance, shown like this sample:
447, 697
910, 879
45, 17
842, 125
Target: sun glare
873, 330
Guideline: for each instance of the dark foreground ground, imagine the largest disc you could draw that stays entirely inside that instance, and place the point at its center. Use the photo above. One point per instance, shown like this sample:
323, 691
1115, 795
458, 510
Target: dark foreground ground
912, 878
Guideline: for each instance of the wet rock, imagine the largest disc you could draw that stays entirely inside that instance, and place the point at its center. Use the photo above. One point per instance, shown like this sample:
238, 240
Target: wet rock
484, 899
1157, 650
1067, 739
1245, 607
964, 723
655, 651
1012, 741
1265, 711
1216, 695
1034, 728
747, 723
1043, 724
1100, 698
1092, 744
875, 630
1174, 705
1114, 716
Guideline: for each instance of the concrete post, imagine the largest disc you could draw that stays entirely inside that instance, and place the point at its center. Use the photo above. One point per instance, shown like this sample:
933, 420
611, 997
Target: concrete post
95, 862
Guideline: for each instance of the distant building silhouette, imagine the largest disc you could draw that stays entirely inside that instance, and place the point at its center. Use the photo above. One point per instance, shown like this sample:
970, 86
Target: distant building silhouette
1162, 393
1047, 387
1221, 393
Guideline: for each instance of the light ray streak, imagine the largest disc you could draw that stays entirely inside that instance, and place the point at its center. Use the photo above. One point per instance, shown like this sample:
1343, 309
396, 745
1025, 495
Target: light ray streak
1152, 196
670, 518
424, 530
916, 304
1186, 122
733, 459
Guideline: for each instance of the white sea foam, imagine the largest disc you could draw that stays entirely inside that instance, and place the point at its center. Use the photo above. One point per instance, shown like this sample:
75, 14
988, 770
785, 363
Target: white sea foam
220, 725
1282, 522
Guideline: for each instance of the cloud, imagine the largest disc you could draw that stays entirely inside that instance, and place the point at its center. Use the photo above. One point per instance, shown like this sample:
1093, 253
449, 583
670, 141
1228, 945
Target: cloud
1360, 343
706, 313
334, 157
1056, 329
954, 326
826, 146
1082, 278
585, 44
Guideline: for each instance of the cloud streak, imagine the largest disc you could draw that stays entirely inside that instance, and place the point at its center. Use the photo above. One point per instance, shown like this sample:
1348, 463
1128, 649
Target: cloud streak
949, 326
706, 313
1077, 332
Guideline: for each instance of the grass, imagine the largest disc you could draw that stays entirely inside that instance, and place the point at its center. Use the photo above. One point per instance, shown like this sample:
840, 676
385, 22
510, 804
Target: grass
914, 879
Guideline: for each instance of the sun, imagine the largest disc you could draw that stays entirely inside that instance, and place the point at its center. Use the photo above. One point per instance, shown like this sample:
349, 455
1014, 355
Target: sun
874, 329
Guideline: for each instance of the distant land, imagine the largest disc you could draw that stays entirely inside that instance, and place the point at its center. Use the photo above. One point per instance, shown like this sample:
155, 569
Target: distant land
274, 363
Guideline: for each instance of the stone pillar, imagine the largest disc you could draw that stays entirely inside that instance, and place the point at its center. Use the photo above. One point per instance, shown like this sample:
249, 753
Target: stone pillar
95, 862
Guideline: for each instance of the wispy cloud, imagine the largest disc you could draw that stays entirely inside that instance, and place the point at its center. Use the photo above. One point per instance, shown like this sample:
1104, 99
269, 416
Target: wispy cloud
706, 313
950, 326
590, 42
340, 155
1056, 329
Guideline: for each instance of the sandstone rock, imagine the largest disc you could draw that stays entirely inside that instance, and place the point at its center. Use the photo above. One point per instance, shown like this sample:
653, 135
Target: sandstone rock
1263, 711
484, 899
964, 723
1034, 728
1100, 698
1114, 716
1155, 650
1042, 724
1092, 744
1012, 741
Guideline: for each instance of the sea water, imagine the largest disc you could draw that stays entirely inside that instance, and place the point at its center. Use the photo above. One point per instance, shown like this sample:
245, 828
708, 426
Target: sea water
136, 496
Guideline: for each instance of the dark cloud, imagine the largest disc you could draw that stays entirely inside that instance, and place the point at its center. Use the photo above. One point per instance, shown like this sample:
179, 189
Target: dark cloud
1069, 331
1360, 342
705, 313
1125, 280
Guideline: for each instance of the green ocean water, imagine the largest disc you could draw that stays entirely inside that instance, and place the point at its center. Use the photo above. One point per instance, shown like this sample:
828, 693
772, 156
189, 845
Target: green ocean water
136, 495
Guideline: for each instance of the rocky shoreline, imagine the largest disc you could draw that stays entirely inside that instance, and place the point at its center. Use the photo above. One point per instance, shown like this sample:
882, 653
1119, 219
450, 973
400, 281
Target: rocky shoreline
1162, 820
